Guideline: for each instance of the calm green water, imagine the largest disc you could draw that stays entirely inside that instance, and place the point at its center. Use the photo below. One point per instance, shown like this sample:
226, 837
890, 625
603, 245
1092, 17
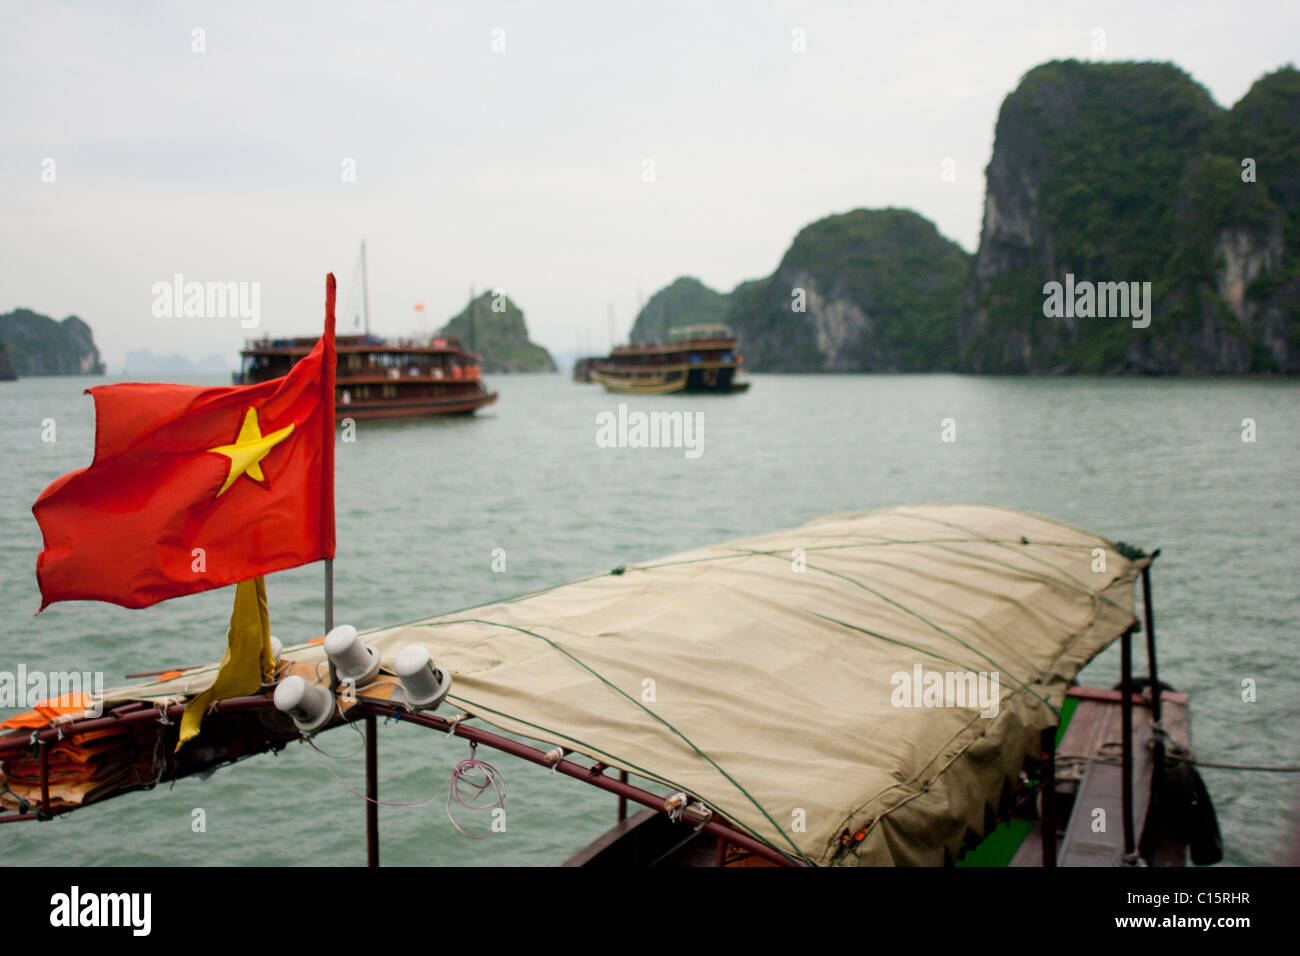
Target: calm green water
422, 505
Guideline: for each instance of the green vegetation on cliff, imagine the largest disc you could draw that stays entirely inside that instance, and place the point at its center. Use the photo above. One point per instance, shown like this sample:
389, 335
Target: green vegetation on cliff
1129, 172
1265, 127
687, 301
1116, 138
493, 326
866, 290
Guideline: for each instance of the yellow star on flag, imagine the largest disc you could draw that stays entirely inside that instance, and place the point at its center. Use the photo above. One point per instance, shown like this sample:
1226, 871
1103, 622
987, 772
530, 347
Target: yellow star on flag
249, 449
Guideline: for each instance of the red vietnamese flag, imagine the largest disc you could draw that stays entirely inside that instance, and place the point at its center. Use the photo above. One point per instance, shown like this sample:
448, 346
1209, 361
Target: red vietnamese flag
244, 473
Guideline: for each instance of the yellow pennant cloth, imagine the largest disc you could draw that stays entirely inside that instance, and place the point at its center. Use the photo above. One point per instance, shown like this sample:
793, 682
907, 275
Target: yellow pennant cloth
248, 659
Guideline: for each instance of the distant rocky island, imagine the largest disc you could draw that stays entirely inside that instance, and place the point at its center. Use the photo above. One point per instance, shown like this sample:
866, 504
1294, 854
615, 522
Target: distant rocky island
867, 290
34, 344
493, 326
1106, 179
144, 362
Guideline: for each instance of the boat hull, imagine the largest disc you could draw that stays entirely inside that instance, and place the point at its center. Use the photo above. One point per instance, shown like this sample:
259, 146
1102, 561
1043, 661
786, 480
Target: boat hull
414, 407
712, 378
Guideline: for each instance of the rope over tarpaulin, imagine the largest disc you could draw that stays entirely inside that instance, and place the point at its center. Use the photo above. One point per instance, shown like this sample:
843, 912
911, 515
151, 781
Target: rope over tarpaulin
760, 676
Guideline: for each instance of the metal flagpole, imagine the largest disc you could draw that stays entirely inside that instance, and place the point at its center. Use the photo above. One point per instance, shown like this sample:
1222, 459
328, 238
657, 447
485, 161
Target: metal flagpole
372, 735
329, 617
372, 729
372, 790
328, 462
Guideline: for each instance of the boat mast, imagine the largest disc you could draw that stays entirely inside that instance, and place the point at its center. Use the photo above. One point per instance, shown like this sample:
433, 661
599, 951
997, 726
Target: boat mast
473, 312
365, 289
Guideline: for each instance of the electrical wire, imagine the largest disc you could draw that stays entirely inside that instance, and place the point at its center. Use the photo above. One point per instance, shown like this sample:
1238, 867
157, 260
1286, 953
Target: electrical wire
464, 774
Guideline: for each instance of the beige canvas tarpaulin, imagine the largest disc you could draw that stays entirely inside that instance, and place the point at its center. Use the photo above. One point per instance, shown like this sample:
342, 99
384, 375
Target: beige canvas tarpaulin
760, 676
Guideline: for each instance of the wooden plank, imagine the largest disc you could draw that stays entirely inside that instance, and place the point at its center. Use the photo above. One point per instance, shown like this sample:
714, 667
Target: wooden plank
1097, 722
1102, 789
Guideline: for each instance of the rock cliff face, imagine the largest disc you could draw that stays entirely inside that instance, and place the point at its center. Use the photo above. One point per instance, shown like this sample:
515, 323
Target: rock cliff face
38, 345
867, 290
1171, 224
493, 326
1129, 172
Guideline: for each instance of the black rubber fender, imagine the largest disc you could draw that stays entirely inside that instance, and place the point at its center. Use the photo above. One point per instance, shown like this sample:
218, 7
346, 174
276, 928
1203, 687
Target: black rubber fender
1204, 838
1183, 797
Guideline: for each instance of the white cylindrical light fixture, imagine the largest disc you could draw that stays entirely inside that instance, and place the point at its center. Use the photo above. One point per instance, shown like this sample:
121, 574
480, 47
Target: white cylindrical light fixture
310, 705
425, 684
354, 659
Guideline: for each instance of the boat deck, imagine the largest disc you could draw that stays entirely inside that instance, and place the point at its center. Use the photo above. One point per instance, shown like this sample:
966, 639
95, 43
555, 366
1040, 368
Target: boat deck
1089, 774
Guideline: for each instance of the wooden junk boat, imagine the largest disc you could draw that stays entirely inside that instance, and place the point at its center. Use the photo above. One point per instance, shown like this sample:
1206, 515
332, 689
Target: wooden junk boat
698, 358
750, 697
378, 378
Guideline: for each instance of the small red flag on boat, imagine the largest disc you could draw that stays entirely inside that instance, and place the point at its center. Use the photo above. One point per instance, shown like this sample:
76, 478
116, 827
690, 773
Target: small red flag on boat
195, 488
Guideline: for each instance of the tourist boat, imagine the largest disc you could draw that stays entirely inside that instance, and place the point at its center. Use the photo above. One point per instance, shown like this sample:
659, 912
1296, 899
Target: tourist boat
698, 358
766, 701
379, 378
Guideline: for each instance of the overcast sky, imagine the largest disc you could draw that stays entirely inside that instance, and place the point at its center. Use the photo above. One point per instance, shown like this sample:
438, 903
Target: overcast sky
522, 168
